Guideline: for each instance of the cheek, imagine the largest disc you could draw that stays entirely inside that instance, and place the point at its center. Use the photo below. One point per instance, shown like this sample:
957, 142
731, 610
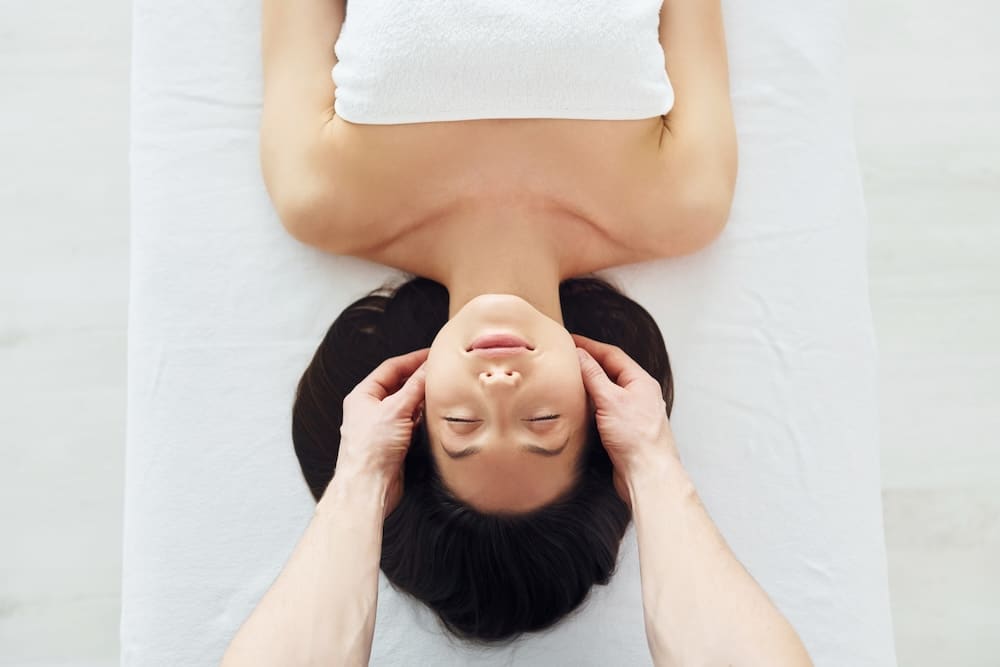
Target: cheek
432, 386
439, 386
567, 378
439, 363
565, 364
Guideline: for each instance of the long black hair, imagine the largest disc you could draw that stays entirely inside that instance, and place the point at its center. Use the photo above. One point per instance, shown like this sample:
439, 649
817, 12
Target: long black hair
488, 577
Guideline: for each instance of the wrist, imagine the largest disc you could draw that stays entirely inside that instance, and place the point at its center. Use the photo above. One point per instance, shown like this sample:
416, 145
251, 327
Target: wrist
658, 467
355, 488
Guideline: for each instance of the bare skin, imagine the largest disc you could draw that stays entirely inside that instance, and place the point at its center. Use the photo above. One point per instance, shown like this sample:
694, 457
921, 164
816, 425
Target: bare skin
592, 194
569, 188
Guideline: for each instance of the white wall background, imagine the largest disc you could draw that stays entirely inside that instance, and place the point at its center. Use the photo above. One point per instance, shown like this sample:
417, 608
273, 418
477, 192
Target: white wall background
927, 101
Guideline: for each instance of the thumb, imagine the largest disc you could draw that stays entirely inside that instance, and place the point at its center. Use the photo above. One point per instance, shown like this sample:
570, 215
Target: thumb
411, 394
595, 380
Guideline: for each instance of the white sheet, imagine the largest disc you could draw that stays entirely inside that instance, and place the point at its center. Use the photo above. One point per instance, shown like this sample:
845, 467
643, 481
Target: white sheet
769, 332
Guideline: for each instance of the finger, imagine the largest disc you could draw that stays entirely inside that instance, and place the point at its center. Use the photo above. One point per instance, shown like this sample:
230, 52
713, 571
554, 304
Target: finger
410, 395
620, 368
391, 373
597, 383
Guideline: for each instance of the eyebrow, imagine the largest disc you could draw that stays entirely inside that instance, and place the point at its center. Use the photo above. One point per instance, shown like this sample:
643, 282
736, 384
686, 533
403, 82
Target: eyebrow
534, 449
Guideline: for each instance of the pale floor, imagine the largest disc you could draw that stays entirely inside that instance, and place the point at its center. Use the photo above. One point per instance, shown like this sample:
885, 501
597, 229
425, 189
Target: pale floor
927, 106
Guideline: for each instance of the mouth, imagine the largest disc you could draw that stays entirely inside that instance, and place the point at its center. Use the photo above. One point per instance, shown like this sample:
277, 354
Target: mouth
501, 343
495, 352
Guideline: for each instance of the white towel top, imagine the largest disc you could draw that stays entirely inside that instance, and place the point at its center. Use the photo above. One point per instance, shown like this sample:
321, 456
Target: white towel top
417, 61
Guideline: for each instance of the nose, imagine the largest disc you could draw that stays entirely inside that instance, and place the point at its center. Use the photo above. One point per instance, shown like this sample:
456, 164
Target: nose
499, 376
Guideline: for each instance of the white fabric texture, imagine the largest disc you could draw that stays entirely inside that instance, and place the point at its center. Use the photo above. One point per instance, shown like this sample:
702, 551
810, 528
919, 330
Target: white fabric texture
435, 60
769, 332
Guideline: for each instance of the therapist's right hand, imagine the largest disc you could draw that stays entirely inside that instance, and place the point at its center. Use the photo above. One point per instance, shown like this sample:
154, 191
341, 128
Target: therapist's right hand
630, 411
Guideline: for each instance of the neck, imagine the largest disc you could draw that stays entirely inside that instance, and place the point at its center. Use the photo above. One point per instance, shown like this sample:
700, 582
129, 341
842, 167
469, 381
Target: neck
509, 254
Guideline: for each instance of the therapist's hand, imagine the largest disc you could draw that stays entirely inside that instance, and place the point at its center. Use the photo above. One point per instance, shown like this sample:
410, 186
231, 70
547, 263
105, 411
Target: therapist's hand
379, 415
630, 411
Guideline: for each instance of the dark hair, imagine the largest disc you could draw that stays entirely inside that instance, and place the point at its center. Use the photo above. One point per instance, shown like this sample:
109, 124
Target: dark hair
488, 577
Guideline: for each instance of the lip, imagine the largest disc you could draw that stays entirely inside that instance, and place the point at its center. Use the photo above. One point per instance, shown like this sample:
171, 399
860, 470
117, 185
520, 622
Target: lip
500, 341
496, 352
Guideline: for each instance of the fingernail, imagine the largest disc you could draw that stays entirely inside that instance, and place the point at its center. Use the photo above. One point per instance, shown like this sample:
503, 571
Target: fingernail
580, 352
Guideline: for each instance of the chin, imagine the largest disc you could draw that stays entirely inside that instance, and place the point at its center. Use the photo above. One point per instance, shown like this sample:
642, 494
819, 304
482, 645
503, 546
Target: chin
502, 311
497, 300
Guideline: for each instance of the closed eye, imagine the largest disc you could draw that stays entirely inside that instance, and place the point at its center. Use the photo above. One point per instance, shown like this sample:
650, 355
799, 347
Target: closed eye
473, 421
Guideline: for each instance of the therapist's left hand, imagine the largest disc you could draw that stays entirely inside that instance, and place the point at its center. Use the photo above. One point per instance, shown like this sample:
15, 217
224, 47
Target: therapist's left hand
379, 415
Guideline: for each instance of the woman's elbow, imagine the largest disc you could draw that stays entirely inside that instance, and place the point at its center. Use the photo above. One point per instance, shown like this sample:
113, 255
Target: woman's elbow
316, 221
708, 214
697, 221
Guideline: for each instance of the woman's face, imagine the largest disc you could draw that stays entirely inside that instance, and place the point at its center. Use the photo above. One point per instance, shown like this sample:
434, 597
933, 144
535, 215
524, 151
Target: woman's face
506, 426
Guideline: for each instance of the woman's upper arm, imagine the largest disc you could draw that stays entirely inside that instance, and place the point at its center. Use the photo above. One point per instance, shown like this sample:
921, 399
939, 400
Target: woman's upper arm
698, 153
297, 40
692, 35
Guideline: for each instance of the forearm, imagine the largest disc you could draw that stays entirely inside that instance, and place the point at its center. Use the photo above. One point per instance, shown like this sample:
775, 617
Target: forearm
701, 606
321, 608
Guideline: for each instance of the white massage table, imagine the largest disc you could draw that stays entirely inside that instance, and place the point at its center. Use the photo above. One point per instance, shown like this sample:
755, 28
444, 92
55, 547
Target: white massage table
769, 332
